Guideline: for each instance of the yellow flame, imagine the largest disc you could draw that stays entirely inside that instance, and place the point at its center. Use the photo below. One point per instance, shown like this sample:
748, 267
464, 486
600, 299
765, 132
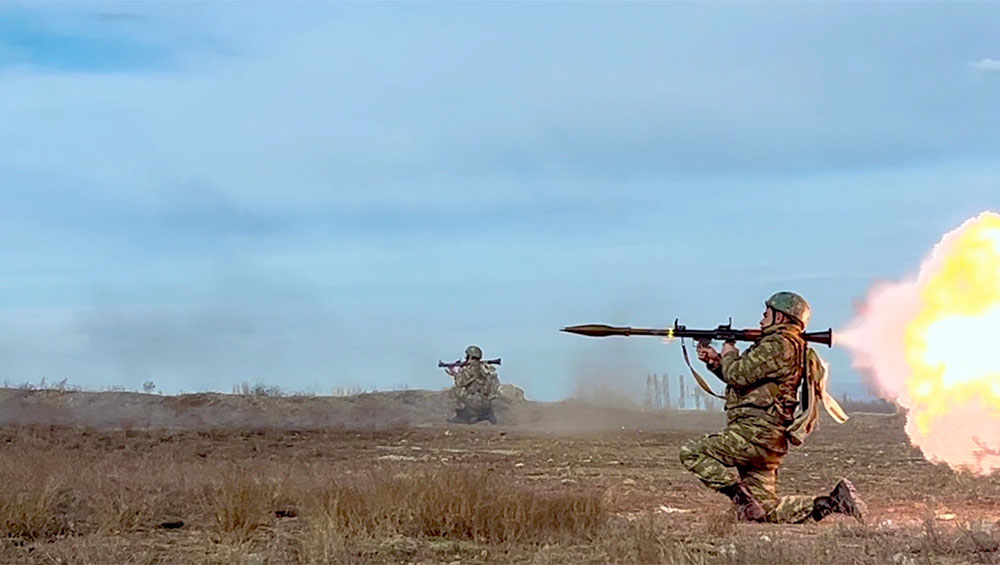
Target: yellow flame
948, 343
933, 344
670, 336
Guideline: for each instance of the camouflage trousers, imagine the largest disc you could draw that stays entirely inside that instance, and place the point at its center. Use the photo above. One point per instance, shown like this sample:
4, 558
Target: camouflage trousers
722, 459
465, 400
472, 407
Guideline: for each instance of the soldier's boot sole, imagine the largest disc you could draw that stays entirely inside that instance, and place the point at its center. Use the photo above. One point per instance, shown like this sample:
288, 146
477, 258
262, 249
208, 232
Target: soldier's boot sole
845, 500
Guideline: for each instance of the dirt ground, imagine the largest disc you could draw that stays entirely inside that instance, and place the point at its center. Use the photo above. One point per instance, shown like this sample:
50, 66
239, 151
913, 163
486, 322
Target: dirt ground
118, 477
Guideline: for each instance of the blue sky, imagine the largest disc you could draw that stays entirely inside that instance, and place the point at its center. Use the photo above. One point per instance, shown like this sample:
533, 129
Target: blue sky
320, 195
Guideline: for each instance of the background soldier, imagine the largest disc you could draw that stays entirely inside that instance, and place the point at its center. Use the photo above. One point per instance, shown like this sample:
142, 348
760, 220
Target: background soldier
476, 386
761, 397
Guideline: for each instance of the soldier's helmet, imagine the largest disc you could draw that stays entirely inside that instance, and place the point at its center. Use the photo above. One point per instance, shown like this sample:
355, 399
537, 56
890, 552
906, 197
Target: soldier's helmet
790, 304
473, 352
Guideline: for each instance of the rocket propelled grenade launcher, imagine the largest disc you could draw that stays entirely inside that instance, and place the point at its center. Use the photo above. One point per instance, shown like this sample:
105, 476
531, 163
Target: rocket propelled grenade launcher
724, 332
461, 363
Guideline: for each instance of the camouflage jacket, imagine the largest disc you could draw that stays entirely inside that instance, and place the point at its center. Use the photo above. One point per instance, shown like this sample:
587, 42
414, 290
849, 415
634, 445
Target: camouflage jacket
477, 379
762, 385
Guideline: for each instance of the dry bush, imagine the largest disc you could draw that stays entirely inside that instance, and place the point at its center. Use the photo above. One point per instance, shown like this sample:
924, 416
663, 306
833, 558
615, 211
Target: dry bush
464, 504
458, 504
35, 502
34, 511
257, 389
121, 507
242, 503
120, 503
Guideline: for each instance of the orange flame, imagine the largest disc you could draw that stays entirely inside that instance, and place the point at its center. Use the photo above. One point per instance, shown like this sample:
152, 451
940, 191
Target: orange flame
928, 343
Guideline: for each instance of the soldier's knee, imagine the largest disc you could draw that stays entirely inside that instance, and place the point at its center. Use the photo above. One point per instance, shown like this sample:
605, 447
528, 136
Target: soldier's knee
689, 452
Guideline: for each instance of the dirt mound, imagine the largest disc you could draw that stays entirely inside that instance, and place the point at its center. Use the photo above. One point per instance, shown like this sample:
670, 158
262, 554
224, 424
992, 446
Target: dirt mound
213, 410
377, 410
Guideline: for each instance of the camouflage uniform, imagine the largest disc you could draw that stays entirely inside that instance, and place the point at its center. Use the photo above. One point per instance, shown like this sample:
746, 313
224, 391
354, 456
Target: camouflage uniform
761, 397
476, 386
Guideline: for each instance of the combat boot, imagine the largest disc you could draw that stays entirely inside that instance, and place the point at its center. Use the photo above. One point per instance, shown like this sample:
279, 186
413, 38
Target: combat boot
460, 417
843, 499
747, 507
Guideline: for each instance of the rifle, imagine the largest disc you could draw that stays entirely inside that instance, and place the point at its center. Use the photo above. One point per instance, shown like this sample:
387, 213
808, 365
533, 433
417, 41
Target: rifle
461, 363
724, 332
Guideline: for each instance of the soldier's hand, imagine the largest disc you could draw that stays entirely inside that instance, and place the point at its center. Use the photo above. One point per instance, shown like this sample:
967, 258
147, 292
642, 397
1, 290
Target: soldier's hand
729, 347
708, 355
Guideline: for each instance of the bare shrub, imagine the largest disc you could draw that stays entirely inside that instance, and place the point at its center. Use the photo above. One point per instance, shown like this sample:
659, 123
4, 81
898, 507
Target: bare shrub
257, 389
33, 512
242, 503
34, 502
121, 508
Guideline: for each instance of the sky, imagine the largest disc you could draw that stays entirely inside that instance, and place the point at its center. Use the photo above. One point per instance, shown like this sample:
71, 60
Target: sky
324, 195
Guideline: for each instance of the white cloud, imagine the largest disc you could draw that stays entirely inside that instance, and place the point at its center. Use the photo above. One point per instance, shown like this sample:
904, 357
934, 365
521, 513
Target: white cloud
417, 109
986, 65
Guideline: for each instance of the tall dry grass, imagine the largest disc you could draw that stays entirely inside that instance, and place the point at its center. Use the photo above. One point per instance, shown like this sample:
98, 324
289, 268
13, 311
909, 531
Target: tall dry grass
35, 502
453, 503
105, 498
60, 495
241, 503
34, 511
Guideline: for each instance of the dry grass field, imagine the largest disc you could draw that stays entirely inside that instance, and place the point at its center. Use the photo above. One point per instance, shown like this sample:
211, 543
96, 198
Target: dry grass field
391, 483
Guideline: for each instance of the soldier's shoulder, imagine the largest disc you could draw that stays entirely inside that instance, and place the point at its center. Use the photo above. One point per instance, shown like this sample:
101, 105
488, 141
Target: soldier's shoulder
780, 339
774, 344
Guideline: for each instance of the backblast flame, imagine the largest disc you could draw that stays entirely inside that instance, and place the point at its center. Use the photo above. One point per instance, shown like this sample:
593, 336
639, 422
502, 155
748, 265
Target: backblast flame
931, 344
